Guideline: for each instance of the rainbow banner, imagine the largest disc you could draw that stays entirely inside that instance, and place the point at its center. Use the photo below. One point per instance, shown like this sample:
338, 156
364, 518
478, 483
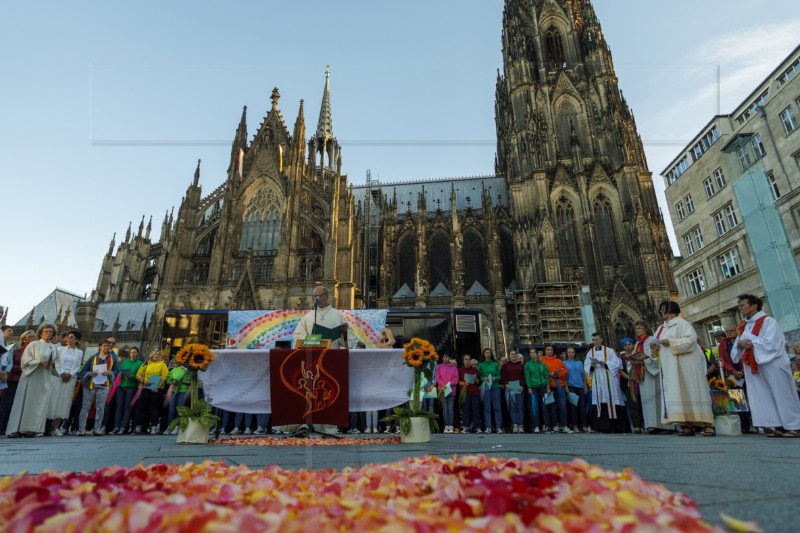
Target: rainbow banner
250, 330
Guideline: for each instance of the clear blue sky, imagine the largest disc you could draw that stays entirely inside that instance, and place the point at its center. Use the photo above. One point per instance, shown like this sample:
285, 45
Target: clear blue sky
107, 106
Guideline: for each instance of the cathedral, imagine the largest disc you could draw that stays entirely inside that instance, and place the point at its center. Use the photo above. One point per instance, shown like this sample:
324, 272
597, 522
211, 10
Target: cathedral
566, 236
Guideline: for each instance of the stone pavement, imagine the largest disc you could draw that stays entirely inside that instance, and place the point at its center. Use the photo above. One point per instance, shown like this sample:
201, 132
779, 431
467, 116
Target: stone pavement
749, 477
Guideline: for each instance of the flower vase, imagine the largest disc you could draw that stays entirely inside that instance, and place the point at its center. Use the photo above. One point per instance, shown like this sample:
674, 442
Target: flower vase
196, 433
420, 431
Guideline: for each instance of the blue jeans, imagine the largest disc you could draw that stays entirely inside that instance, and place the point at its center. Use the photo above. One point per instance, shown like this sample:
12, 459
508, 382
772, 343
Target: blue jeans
491, 402
372, 420
448, 414
123, 412
472, 412
559, 405
515, 408
540, 415
174, 401
577, 413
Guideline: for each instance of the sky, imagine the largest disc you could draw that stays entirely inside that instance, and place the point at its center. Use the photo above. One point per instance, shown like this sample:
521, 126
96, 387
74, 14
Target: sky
107, 106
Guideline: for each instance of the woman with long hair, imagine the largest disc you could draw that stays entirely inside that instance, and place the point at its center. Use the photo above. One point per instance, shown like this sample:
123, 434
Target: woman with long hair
489, 369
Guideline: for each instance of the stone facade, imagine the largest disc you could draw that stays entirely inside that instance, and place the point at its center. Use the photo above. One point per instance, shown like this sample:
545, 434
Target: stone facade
571, 205
718, 261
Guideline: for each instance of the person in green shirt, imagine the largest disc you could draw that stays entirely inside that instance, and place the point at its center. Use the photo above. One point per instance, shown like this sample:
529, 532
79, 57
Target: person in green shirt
489, 369
537, 377
179, 386
126, 391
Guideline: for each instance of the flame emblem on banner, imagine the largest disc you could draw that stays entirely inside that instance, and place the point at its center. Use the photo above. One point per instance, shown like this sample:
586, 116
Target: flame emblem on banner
310, 381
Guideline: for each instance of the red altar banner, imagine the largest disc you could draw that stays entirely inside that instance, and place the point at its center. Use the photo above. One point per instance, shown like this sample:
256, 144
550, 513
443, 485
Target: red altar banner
309, 386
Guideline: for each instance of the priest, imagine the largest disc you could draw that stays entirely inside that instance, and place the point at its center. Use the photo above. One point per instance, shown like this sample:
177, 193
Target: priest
603, 364
330, 322
761, 346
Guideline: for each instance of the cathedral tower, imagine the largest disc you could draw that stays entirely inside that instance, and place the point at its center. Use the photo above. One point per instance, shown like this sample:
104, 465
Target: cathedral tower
580, 193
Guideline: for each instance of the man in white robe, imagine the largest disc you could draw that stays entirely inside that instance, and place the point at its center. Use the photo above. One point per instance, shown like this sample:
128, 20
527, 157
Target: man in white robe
761, 346
324, 315
603, 365
687, 400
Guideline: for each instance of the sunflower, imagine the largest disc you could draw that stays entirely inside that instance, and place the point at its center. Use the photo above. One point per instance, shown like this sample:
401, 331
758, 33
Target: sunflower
195, 356
415, 358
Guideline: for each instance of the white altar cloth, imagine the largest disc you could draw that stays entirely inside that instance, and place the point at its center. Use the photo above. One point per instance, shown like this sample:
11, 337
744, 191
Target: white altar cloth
238, 380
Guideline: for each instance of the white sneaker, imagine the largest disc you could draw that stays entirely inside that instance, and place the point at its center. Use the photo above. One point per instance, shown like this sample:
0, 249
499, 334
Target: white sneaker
259, 431
236, 431
478, 430
276, 431
448, 429
367, 431
567, 430
488, 430
387, 430
499, 430
99, 433
536, 430
464, 430
397, 429
175, 431
248, 432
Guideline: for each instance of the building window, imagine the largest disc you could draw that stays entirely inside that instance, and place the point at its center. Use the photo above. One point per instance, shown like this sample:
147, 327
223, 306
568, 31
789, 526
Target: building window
696, 282
720, 178
789, 120
679, 209
705, 143
758, 146
689, 204
676, 171
789, 73
730, 214
698, 237
752, 108
712, 328
719, 222
773, 185
687, 240
554, 48
709, 186
729, 264
744, 157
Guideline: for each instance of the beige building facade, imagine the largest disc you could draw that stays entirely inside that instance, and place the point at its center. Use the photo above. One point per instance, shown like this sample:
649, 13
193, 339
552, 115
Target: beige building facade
721, 255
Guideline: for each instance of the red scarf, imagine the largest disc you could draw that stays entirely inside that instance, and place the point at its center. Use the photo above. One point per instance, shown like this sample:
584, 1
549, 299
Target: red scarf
748, 357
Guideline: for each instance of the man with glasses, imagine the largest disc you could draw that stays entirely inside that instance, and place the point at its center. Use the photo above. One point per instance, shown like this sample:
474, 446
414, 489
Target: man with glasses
761, 347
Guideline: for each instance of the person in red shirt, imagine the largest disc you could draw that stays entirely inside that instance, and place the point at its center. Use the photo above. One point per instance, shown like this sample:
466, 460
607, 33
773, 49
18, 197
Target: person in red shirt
558, 386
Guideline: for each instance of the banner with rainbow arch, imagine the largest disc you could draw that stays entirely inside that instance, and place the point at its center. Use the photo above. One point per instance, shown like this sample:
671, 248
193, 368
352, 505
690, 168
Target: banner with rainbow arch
262, 329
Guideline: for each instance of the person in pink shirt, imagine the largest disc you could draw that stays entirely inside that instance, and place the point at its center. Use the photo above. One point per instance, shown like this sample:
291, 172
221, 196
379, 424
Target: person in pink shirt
447, 373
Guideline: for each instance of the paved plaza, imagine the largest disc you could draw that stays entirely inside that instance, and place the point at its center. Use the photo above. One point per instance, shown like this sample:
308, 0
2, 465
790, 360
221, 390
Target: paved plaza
750, 477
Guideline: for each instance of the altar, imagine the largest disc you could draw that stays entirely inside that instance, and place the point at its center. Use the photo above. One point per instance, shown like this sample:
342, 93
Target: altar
238, 380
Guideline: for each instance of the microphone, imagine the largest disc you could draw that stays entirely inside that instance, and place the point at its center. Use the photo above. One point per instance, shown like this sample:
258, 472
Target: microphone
316, 301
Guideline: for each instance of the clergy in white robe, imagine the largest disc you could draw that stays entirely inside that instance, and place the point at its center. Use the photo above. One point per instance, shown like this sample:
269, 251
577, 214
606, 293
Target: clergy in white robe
771, 391
650, 386
67, 365
603, 365
324, 315
29, 412
687, 399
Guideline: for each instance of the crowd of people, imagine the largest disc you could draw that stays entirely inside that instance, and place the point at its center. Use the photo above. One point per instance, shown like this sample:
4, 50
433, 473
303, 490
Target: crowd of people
57, 389
656, 383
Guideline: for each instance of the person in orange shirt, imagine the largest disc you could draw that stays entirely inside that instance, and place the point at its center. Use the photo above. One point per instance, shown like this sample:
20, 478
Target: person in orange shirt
558, 387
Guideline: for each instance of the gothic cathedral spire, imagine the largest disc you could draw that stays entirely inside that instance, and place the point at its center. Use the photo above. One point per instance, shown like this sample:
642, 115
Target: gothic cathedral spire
573, 161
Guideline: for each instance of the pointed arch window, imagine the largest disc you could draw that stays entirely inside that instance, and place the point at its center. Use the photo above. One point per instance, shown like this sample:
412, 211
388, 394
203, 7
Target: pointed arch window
566, 235
473, 255
406, 259
261, 224
604, 230
554, 46
440, 262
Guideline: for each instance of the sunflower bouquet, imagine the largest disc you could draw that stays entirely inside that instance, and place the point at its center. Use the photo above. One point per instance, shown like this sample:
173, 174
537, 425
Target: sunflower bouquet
194, 358
420, 355
717, 383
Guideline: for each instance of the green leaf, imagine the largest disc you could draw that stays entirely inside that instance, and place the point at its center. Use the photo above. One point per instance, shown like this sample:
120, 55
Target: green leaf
405, 425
